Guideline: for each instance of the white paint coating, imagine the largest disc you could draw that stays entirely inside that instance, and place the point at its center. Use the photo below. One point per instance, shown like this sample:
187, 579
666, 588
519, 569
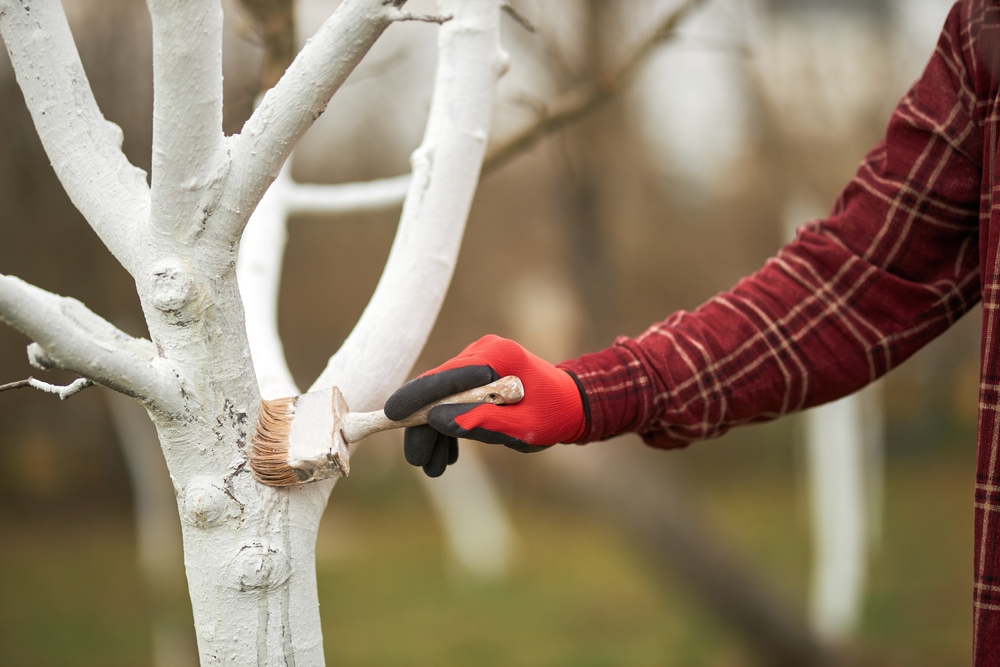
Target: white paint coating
249, 550
844, 444
835, 452
393, 328
259, 272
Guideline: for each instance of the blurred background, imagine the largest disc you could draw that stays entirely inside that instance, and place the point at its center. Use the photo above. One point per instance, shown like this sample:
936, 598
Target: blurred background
742, 126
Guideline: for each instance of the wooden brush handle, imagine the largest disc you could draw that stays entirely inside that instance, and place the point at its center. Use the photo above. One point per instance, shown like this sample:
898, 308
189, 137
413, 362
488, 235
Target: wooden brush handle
359, 425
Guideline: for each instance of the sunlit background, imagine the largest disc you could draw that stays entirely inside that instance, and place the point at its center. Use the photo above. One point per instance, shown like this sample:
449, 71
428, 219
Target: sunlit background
742, 128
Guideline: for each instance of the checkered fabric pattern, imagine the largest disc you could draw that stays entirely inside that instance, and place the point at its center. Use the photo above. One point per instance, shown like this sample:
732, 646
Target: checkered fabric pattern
911, 244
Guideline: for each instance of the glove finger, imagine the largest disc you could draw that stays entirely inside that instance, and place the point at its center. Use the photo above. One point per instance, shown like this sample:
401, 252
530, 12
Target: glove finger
444, 419
438, 462
418, 444
426, 389
452, 450
524, 447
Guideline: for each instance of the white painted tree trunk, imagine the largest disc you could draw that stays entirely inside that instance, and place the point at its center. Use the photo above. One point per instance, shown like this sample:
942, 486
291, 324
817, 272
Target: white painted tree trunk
834, 450
249, 549
844, 446
477, 527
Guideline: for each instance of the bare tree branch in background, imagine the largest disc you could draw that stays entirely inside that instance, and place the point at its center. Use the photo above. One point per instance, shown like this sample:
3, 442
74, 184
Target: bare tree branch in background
588, 96
273, 22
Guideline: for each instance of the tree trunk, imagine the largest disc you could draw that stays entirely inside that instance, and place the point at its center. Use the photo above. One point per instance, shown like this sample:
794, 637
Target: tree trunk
248, 549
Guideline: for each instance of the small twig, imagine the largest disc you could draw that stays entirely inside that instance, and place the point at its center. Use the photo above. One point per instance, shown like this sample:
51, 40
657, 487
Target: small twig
426, 18
518, 17
63, 393
586, 97
20, 384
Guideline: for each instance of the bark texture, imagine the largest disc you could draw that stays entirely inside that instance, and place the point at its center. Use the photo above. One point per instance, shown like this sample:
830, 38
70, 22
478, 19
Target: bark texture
249, 549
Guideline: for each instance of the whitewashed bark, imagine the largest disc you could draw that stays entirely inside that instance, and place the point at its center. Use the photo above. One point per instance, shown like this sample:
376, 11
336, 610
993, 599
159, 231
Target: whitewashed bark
249, 550
262, 254
310, 199
189, 159
393, 328
477, 527
69, 336
844, 445
258, 269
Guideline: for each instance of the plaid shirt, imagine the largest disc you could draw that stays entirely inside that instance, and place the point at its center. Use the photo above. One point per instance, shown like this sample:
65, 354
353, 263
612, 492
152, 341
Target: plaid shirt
911, 244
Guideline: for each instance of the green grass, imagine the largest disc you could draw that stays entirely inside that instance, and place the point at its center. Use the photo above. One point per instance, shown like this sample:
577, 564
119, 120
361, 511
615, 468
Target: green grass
71, 595
577, 596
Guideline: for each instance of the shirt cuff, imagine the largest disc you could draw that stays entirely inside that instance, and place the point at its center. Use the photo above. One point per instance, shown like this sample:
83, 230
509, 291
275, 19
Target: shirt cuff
616, 392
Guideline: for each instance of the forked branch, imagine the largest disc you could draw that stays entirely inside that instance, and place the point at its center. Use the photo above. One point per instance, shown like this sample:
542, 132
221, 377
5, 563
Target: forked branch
299, 98
69, 336
395, 325
188, 156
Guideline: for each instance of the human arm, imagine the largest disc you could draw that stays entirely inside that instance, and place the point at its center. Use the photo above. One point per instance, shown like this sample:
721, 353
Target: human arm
854, 295
895, 263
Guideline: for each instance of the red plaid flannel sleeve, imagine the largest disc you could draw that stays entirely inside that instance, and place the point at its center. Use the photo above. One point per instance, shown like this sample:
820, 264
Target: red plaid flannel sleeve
851, 297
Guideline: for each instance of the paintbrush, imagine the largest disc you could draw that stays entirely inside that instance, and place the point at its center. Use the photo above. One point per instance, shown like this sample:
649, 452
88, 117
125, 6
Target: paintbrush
304, 438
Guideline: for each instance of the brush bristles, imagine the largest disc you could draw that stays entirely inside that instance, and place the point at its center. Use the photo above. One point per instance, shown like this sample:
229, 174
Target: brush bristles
269, 446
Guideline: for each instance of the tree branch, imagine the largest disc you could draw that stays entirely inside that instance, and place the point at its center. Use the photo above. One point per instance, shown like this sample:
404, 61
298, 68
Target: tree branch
400, 15
188, 144
565, 109
71, 337
395, 325
258, 267
343, 198
587, 97
83, 147
518, 17
258, 270
298, 99
74, 387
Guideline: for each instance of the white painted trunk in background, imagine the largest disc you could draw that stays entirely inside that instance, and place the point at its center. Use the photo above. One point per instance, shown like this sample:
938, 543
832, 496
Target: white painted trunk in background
834, 449
844, 473
844, 451
249, 549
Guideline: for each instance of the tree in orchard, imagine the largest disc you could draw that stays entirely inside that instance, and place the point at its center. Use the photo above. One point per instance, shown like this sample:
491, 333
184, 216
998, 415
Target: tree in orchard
213, 350
249, 549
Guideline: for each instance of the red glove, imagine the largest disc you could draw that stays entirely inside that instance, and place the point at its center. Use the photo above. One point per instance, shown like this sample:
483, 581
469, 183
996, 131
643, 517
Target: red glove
551, 411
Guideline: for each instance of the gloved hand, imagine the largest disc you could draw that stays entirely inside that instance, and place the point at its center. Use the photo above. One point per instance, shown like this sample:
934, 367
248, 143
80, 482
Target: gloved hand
551, 411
